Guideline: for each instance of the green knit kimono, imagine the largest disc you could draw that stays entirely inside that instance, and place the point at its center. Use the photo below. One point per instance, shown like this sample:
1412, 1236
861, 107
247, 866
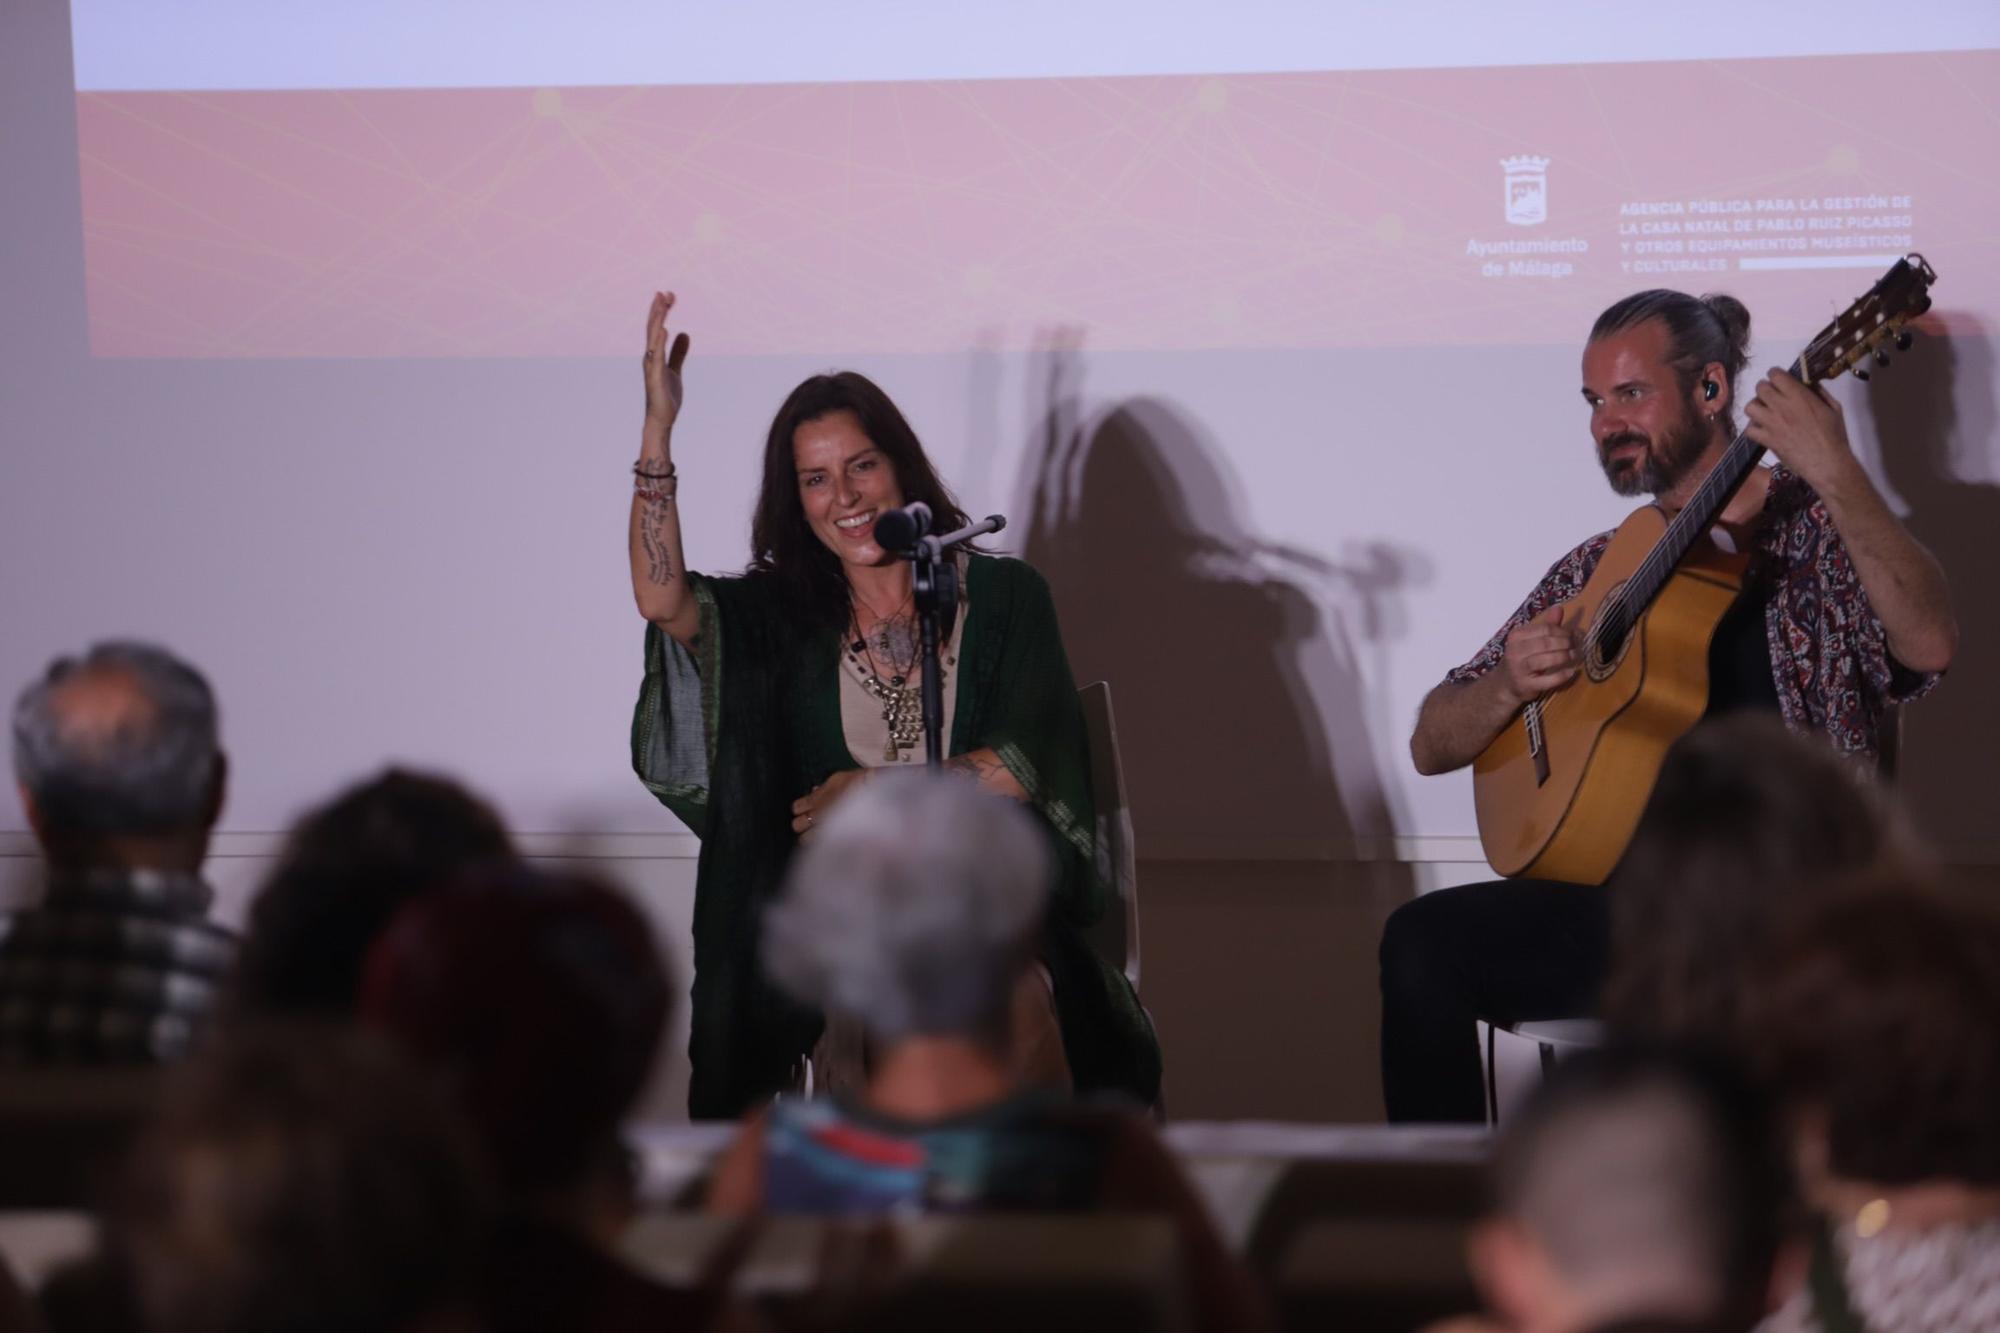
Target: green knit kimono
729, 735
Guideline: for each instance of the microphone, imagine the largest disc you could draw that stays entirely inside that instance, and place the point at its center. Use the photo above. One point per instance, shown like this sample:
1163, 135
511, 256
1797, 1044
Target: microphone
899, 529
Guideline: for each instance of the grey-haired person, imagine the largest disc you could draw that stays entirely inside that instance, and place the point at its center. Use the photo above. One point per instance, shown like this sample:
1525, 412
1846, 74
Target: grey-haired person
913, 914
122, 775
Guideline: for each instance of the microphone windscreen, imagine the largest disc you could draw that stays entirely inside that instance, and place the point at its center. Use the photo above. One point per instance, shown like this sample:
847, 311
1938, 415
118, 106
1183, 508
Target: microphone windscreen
898, 529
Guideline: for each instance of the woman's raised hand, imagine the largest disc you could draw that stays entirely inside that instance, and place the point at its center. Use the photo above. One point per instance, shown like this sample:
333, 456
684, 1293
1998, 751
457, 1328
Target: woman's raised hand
662, 368
658, 572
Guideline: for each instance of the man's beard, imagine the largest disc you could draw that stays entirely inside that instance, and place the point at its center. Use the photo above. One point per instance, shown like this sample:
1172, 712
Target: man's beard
1662, 466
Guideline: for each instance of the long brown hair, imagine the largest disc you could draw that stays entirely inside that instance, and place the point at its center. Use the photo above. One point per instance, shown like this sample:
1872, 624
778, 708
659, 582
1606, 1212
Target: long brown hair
1876, 1012
1748, 825
782, 543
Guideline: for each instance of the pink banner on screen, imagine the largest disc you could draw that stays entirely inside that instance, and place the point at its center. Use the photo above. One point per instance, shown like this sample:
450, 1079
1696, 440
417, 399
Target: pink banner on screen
1316, 210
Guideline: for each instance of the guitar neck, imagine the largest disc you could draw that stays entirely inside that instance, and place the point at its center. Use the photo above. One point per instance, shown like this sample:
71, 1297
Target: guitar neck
1697, 516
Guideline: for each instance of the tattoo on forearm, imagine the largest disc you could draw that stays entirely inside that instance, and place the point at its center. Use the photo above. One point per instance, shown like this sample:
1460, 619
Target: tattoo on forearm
979, 765
653, 536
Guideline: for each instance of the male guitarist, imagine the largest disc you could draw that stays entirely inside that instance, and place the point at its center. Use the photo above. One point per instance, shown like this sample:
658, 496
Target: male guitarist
1842, 613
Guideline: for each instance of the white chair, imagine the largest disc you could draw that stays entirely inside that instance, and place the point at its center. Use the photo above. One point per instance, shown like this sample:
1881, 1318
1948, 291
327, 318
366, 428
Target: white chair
1554, 1038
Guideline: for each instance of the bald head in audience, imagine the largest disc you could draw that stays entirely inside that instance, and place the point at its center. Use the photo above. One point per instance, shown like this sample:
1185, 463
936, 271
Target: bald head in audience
118, 760
1638, 1188
122, 777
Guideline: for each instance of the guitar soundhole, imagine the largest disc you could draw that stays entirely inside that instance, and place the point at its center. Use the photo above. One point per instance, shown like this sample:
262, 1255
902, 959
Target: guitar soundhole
1610, 634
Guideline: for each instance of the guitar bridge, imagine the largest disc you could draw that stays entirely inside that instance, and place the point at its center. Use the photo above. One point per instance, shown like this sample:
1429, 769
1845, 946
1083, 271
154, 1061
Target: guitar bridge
1537, 743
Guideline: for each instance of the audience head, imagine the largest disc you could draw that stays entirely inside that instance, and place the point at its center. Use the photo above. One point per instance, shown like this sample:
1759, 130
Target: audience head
118, 758
542, 1001
1636, 1183
346, 868
1747, 822
302, 1178
914, 909
1879, 1025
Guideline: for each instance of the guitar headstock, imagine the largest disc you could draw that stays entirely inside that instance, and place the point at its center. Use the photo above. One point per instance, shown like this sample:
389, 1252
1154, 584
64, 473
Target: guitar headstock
1867, 327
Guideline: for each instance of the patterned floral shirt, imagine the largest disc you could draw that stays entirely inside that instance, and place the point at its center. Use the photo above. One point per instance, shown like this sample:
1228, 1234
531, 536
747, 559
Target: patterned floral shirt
1943, 1280
1830, 657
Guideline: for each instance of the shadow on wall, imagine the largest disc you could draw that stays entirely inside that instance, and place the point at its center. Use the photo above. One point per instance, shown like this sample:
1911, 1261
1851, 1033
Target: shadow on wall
1243, 714
1247, 741
1934, 416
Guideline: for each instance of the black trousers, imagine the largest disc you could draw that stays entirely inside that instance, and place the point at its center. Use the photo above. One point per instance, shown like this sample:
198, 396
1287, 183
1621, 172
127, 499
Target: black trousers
1514, 950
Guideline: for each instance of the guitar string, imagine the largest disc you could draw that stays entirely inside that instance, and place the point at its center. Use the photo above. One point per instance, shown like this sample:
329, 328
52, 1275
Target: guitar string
1685, 526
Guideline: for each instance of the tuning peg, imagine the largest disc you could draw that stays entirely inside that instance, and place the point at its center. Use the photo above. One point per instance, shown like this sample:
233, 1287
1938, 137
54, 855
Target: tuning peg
1861, 373
1881, 356
1904, 339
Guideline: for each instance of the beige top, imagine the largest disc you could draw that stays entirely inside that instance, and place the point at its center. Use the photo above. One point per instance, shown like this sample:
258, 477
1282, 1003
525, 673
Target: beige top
862, 714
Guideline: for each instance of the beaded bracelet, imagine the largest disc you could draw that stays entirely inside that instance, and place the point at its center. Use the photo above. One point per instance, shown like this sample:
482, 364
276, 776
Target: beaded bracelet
654, 487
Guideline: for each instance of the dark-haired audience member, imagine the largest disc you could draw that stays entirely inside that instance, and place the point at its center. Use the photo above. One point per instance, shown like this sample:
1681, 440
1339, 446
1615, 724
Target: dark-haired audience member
1638, 1189
345, 870
542, 1002
914, 912
122, 776
1747, 823
1879, 1025
297, 1177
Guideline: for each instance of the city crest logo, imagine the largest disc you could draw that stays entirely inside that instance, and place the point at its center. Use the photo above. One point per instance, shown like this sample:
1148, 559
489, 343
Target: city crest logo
1527, 190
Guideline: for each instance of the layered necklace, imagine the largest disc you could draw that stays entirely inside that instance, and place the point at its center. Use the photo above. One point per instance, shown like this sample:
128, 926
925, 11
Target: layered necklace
884, 660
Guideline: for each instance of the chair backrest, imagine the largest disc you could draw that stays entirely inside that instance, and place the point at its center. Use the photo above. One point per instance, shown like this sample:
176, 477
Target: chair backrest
1375, 1273
970, 1273
63, 1130
34, 1244
1116, 935
1361, 1244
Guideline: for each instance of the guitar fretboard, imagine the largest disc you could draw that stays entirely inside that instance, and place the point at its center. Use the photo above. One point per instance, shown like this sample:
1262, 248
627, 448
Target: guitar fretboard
1621, 611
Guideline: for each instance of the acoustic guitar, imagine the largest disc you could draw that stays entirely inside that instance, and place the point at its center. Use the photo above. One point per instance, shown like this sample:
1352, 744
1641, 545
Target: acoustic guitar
1561, 788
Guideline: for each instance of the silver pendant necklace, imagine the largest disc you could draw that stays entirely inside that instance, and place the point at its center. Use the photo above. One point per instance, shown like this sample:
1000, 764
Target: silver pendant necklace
902, 705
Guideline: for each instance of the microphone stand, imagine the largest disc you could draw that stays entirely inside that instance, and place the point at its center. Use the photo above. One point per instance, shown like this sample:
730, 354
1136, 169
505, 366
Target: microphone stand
934, 581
